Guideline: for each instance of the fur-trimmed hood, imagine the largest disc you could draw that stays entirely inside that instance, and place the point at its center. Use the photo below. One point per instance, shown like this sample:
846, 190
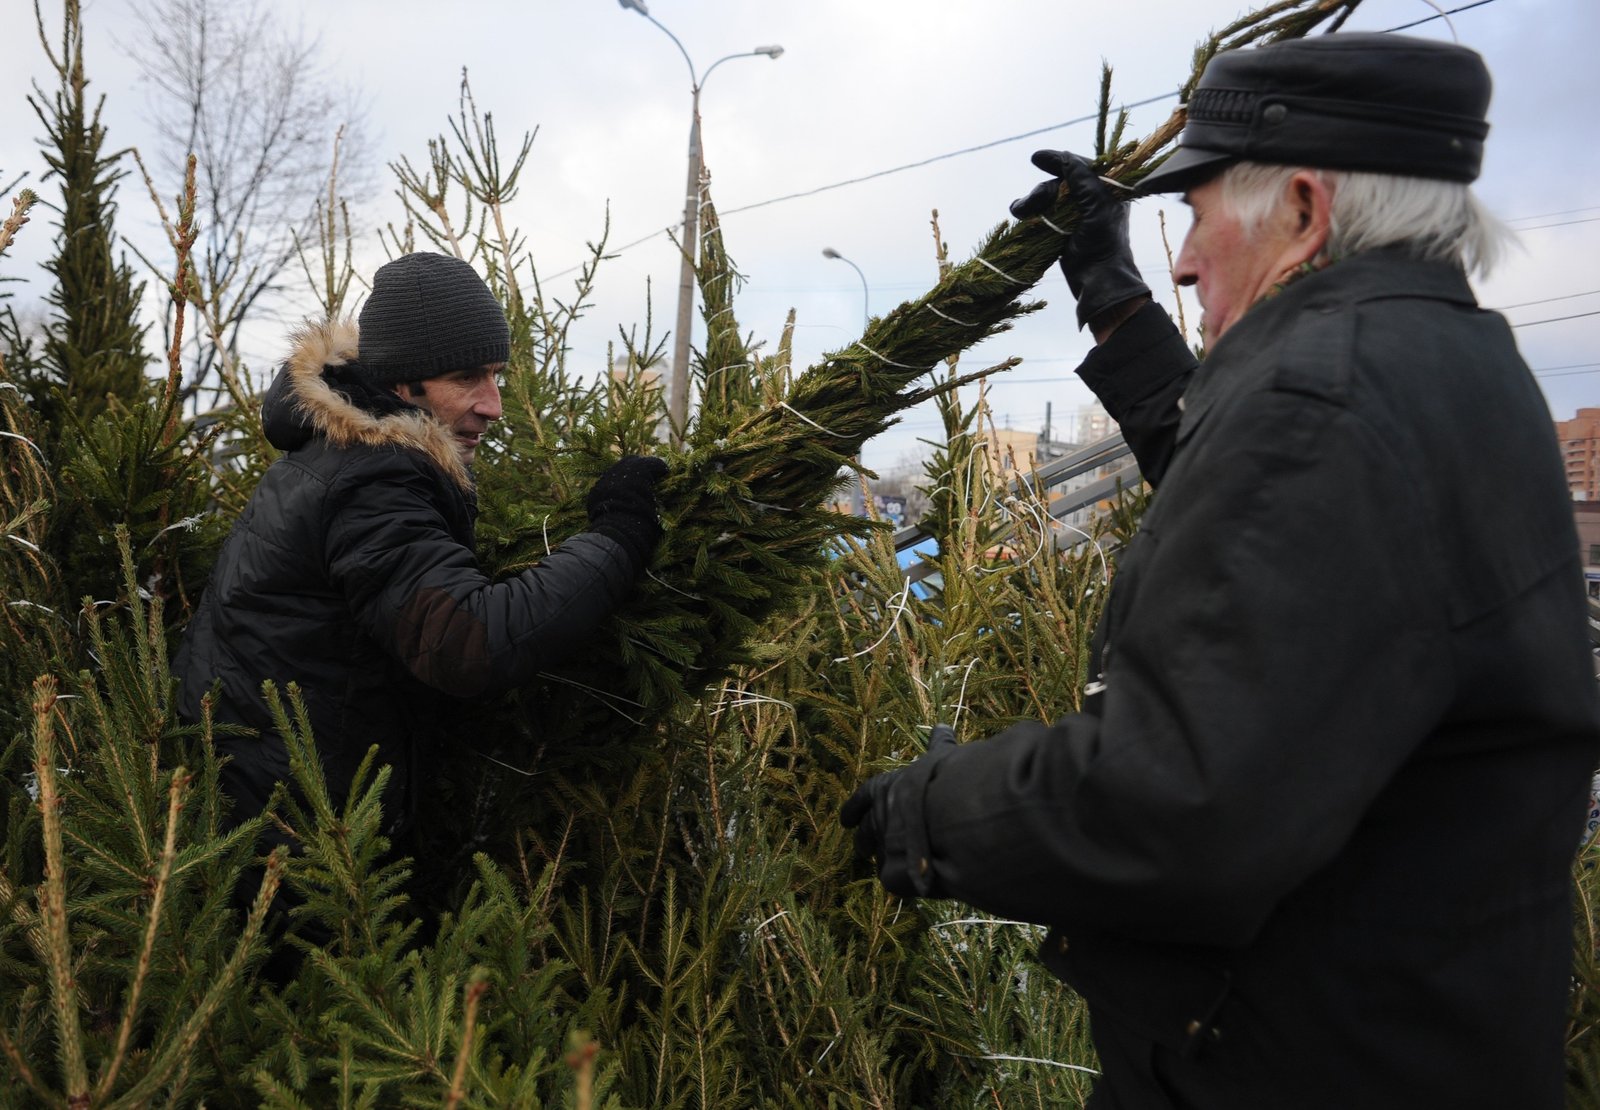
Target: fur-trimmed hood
315, 395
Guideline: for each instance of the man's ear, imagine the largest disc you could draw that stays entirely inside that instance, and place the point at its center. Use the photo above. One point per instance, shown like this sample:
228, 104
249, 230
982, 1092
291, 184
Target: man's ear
1310, 207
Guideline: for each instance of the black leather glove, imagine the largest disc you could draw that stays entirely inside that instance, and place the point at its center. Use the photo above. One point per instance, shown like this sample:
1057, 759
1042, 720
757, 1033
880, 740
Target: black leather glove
878, 812
622, 506
1096, 258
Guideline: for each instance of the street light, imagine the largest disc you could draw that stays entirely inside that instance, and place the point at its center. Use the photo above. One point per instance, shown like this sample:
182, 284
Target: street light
857, 494
678, 391
866, 311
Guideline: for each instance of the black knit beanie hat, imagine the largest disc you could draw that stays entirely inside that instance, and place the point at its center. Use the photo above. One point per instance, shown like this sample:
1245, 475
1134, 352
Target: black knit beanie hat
429, 314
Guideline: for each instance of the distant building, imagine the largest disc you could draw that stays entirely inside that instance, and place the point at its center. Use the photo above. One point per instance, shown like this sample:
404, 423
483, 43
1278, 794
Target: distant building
1094, 423
1580, 446
1588, 518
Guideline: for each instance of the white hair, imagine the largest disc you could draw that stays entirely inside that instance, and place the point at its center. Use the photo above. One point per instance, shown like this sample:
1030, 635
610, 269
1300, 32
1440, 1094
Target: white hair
1433, 220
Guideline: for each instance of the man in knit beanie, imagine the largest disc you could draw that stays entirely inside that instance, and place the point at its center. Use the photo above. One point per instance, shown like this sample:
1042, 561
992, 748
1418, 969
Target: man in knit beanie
352, 574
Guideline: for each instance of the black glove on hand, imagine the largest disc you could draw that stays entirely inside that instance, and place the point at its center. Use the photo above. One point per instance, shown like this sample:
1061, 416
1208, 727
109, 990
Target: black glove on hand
877, 811
1096, 258
622, 506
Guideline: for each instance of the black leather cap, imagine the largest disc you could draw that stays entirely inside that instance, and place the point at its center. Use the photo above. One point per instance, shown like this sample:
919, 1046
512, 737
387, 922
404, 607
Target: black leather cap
1375, 102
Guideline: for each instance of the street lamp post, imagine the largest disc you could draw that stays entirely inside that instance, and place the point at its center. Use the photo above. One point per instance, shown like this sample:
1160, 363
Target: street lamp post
866, 304
857, 494
678, 387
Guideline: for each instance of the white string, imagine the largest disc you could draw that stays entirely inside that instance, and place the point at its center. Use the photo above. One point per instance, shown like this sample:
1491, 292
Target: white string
1105, 569
770, 920
885, 359
604, 695
998, 270
764, 505
984, 921
808, 420
1047, 223
1029, 1060
961, 697
25, 439
747, 699
501, 762
1016, 503
934, 309
18, 539
903, 601
1444, 15
670, 586
544, 527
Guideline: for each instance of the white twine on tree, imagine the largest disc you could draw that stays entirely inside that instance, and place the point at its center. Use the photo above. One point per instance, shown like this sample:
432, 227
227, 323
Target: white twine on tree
30, 546
903, 601
25, 439
1014, 504
961, 695
935, 310
781, 913
748, 698
886, 359
668, 585
610, 699
1051, 225
1105, 568
998, 270
544, 528
24, 604
502, 763
808, 420
1444, 15
764, 505
1005, 1058
810, 1071
991, 921
188, 523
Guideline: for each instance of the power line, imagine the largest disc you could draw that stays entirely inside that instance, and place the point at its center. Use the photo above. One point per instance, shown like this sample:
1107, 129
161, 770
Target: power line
1557, 319
942, 157
1546, 215
986, 146
1546, 300
1563, 223
1439, 15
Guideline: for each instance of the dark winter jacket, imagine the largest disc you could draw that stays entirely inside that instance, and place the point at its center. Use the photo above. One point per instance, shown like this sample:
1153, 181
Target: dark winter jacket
351, 572
1310, 847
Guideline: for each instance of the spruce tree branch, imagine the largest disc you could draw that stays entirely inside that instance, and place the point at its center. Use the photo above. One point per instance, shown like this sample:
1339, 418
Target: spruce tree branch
173, 1056
20, 204
25, 1073
175, 793
469, 1022
53, 897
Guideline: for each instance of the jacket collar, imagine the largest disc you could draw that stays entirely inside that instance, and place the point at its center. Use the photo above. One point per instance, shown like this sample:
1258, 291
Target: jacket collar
302, 403
1327, 294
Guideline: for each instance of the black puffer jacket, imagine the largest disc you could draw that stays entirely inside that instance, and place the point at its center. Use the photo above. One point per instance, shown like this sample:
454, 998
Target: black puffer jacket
351, 573
1310, 845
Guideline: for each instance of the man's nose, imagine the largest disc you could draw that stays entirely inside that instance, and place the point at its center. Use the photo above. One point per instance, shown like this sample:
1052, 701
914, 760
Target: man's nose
488, 402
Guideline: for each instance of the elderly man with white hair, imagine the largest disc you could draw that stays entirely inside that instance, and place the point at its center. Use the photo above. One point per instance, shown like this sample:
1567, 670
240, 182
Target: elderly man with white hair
1308, 841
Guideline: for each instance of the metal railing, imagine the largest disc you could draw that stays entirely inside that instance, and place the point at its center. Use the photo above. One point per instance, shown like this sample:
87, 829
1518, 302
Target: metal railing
1082, 461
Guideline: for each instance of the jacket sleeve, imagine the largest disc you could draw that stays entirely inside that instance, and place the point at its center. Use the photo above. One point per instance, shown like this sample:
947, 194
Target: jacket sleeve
1139, 373
1275, 654
419, 592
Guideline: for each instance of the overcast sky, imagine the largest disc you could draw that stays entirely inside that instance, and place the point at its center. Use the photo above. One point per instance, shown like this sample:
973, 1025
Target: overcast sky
863, 86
